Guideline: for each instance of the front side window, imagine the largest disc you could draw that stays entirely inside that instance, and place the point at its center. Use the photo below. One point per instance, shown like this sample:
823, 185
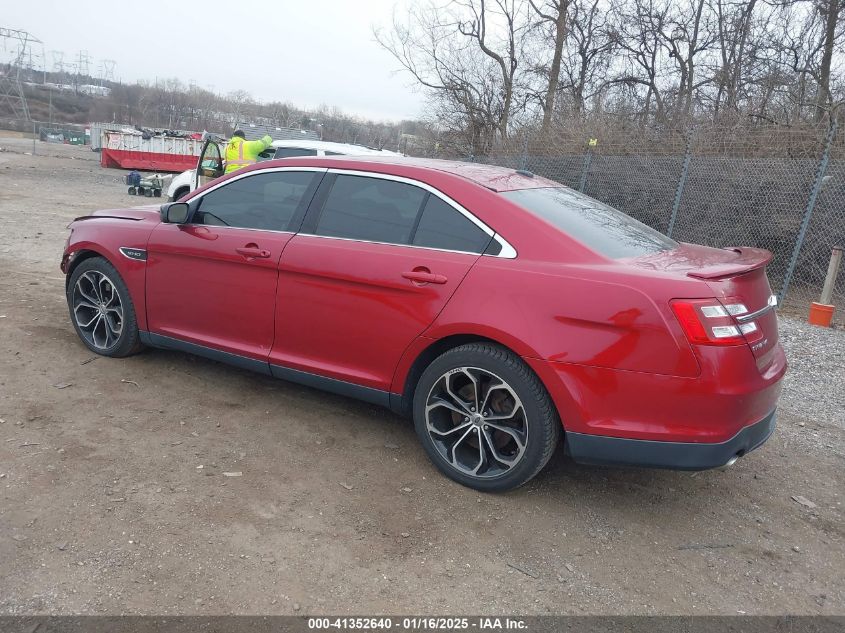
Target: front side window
261, 201
597, 226
291, 152
371, 209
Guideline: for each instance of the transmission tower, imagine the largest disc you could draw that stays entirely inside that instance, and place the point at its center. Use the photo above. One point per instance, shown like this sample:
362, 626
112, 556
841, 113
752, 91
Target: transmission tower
107, 67
58, 61
12, 98
83, 65
36, 63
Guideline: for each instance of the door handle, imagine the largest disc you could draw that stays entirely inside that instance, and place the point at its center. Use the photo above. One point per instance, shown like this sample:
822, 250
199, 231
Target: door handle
425, 277
253, 252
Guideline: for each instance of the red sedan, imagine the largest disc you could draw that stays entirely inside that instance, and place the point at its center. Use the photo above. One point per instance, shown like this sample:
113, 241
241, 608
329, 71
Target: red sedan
502, 311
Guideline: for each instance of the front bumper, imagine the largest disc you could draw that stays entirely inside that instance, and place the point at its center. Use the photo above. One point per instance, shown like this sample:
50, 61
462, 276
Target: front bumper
599, 449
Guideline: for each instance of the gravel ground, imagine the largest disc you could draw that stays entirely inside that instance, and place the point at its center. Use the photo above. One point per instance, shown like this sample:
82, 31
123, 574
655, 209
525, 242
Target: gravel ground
816, 377
104, 507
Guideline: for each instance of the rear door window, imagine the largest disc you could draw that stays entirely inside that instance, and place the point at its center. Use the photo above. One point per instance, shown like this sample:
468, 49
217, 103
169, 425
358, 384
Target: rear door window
443, 226
262, 201
599, 227
371, 209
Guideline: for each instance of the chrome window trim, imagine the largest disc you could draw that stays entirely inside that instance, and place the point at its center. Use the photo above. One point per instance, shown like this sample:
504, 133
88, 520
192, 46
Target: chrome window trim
417, 246
268, 170
507, 251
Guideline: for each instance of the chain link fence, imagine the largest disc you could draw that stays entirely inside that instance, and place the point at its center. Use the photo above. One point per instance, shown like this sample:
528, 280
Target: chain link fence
772, 187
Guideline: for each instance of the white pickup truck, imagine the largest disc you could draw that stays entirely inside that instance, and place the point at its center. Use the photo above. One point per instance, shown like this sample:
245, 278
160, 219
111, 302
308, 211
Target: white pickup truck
210, 163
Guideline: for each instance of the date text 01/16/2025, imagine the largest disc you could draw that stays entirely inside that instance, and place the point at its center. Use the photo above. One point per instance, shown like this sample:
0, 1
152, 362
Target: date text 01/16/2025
418, 623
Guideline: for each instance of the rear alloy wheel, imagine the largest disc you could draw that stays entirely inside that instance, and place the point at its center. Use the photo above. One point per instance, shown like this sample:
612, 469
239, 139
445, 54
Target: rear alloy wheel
484, 418
101, 309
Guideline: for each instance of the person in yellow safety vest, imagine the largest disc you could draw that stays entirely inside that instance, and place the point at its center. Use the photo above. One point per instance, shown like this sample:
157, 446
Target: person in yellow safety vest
240, 152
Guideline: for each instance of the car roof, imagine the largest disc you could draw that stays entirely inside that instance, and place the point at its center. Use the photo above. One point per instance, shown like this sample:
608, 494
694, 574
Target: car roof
340, 148
492, 177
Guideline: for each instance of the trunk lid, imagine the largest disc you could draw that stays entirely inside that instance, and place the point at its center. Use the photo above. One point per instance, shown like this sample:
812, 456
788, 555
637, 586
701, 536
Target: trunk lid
752, 290
735, 276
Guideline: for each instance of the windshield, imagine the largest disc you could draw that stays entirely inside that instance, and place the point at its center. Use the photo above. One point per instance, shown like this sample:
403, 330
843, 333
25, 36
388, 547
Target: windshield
601, 228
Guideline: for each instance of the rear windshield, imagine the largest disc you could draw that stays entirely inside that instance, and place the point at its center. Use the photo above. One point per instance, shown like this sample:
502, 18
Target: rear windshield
601, 228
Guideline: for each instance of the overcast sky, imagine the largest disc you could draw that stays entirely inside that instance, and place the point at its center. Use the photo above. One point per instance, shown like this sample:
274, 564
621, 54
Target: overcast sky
306, 52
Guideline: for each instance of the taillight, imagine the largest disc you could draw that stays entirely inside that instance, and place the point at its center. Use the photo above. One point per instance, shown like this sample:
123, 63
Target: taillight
709, 322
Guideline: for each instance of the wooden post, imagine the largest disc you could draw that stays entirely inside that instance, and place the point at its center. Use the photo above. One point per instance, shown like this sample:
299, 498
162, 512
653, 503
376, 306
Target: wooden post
830, 278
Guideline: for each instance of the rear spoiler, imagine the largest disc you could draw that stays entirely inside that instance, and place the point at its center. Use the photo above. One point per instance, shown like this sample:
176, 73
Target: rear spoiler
749, 259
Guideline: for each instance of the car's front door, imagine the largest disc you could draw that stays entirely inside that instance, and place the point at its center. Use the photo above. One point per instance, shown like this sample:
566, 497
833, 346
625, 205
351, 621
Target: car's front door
375, 262
210, 163
212, 282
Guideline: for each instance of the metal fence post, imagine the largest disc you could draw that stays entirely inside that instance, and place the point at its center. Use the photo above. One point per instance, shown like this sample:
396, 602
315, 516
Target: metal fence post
588, 158
523, 163
808, 211
679, 190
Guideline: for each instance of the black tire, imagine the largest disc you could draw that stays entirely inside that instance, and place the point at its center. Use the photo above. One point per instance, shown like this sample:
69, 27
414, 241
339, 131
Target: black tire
180, 193
157, 193
148, 193
127, 342
521, 386
132, 191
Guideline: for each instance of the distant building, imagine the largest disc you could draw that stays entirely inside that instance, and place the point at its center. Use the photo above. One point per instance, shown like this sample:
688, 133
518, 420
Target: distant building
94, 91
254, 131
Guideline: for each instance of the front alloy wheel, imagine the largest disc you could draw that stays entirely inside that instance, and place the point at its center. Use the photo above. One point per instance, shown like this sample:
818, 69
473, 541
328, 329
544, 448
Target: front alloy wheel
101, 309
97, 309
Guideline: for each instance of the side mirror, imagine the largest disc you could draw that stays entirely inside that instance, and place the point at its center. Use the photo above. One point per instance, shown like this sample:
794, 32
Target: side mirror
175, 212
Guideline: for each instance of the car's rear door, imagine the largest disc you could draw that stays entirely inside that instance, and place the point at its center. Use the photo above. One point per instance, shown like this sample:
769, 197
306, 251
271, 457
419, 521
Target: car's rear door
375, 262
212, 282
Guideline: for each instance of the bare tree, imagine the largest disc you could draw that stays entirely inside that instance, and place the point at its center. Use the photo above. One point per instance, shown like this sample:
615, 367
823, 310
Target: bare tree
686, 36
830, 12
587, 53
554, 14
734, 27
637, 32
241, 100
467, 57
508, 56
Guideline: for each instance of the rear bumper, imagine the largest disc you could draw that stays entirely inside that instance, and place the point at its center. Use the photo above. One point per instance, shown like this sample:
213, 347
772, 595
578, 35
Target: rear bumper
731, 394
598, 449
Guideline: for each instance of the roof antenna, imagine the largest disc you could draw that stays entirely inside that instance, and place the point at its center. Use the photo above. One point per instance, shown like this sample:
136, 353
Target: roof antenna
525, 172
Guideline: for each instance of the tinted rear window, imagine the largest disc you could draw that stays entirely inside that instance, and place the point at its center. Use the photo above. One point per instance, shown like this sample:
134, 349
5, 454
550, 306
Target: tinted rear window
441, 226
601, 228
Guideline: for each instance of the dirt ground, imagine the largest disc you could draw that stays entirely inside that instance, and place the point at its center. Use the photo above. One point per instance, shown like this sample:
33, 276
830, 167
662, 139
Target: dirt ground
113, 498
